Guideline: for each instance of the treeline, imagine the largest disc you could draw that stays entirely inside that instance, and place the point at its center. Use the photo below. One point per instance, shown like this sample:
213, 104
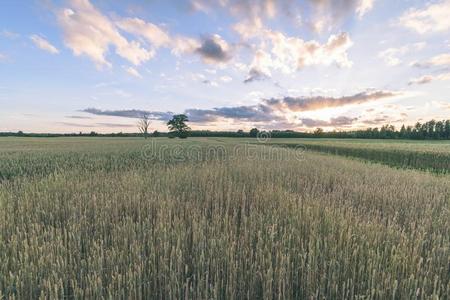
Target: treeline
431, 130
193, 133
84, 134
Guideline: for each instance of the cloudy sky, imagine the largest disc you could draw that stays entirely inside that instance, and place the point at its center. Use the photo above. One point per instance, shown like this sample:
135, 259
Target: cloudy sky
82, 65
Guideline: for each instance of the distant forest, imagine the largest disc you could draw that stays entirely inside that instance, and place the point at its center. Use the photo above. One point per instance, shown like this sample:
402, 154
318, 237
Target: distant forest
431, 130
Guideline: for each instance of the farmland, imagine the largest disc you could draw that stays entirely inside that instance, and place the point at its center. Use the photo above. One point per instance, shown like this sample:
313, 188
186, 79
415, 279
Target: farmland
431, 156
223, 218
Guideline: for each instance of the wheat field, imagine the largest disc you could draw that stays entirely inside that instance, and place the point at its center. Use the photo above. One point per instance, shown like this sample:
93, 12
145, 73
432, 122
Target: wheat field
433, 156
120, 218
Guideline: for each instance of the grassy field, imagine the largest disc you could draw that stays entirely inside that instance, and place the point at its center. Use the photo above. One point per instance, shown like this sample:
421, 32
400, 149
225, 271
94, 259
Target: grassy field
431, 156
221, 219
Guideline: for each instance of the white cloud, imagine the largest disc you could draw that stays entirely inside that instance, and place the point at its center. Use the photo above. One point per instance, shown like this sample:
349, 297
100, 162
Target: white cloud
210, 82
319, 25
418, 46
88, 32
391, 55
184, 45
260, 67
288, 54
441, 104
291, 54
429, 78
122, 93
9, 34
43, 44
151, 32
2, 57
327, 15
363, 7
421, 80
199, 5
432, 18
133, 72
240, 67
441, 60
255, 95
251, 9
197, 77
226, 78
436, 61
248, 29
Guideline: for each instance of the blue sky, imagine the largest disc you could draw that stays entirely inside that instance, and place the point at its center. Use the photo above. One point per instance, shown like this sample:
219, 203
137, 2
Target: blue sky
82, 65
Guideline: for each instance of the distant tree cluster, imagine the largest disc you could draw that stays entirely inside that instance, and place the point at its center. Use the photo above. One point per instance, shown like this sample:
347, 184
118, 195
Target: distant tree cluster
433, 130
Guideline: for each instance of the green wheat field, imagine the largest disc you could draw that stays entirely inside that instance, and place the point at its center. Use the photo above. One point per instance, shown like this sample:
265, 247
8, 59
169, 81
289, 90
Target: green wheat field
222, 218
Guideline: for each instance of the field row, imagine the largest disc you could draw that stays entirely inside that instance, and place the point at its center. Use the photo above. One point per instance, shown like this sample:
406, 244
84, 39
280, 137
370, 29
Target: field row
434, 158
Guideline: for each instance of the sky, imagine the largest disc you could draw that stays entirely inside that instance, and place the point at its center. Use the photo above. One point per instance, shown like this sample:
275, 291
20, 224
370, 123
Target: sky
99, 65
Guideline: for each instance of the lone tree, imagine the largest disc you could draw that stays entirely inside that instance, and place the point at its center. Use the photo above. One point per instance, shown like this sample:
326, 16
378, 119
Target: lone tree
318, 132
254, 132
178, 126
144, 124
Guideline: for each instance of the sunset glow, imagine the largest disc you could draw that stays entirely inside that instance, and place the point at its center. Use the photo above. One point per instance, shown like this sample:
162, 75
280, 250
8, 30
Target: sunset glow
86, 65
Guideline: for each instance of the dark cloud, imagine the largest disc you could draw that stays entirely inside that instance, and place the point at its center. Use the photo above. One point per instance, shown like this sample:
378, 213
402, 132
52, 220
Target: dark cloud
78, 117
245, 8
254, 74
376, 121
334, 10
270, 111
338, 7
422, 80
209, 82
201, 115
421, 65
214, 49
429, 78
256, 113
114, 125
267, 110
312, 12
333, 122
75, 124
130, 113
95, 125
320, 102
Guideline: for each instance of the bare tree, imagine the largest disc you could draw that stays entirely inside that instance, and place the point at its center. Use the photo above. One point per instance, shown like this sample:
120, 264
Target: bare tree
144, 124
